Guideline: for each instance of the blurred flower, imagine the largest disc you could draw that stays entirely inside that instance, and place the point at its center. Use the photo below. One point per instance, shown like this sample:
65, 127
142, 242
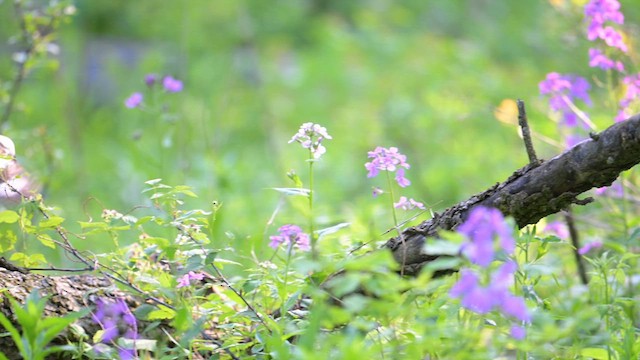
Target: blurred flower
408, 204
150, 79
590, 246
171, 84
291, 234
116, 320
134, 100
377, 191
388, 160
481, 228
518, 332
557, 228
613, 190
186, 279
564, 90
600, 60
631, 96
310, 136
597, 12
494, 296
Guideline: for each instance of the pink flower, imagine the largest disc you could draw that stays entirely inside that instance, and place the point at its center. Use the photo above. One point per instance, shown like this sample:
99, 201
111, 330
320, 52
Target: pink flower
558, 228
408, 204
598, 59
391, 160
134, 100
171, 84
291, 234
310, 136
590, 246
186, 279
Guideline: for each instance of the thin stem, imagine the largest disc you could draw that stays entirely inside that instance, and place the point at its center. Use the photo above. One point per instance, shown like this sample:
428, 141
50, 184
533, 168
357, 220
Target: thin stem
314, 252
575, 241
396, 224
286, 279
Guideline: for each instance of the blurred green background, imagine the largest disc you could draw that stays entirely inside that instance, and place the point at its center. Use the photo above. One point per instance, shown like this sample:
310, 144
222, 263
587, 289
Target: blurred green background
425, 76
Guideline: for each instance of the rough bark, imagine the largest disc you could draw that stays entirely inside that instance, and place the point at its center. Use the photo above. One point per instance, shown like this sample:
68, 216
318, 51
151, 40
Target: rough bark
534, 191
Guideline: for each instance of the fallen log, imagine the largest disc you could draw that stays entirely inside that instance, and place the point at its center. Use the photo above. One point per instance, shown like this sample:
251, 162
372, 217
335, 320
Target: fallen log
534, 191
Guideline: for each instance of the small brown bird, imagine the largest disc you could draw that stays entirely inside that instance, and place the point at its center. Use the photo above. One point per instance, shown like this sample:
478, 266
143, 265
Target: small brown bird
14, 181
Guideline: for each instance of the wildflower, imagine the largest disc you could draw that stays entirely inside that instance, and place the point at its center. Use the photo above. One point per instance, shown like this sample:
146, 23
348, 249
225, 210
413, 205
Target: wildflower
311, 135
150, 79
388, 160
590, 246
186, 279
134, 100
291, 235
598, 59
171, 84
597, 12
116, 320
377, 191
518, 332
558, 228
408, 204
481, 227
631, 96
564, 90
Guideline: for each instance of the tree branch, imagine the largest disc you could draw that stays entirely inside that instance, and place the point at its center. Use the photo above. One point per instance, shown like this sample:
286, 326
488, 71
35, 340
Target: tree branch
534, 192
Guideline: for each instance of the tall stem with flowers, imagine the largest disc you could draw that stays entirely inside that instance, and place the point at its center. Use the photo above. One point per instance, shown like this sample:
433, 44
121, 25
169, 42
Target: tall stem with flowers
392, 161
311, 136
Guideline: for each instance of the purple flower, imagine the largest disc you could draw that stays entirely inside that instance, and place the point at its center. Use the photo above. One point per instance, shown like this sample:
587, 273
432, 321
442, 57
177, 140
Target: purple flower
481, 227
388, 160
116, 319
171, 84
377, 191
150, 79
291, 234
631, 96
590, 246
558, 228
518, 332
186, 279
134, 100
564, 90
408, 204
310, 136
600, 60
597, 12
493, 296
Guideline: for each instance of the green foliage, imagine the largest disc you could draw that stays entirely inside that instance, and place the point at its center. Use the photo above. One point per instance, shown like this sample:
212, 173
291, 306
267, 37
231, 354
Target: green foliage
35, 330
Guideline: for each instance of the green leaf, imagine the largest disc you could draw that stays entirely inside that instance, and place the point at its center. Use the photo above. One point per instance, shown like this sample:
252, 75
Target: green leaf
331, 229
9, 217
51, 222
293, 191
594, 353
153, 181
163, 313
441, 247
46, 240
8, 241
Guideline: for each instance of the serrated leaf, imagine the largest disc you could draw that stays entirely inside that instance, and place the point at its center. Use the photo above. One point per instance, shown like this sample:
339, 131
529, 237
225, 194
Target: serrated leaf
9, 217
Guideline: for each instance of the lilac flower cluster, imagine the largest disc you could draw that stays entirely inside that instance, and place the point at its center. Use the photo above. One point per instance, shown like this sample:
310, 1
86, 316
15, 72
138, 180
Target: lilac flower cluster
597, 13
169, 84
116, 320
482, 228
310, 136
590, 246
564, 90
187, 278
291, 235
388, 160
408, 204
